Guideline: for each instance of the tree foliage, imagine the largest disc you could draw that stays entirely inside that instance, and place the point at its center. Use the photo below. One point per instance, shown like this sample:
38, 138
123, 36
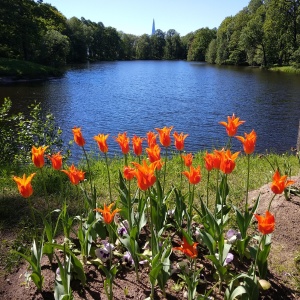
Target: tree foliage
266, 32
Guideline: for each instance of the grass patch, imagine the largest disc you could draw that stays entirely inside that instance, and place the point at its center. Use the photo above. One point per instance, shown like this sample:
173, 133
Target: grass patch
20, 69
286, 69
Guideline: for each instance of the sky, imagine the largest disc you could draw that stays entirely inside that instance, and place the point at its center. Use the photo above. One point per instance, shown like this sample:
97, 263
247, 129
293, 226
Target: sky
136, 16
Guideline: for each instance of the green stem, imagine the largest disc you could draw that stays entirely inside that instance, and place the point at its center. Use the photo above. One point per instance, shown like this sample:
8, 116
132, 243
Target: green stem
217, 189
89, 170
165, 169
208, 175
256, 257
181, 163
271, 201
108, 176
191, 198
45, 189
248, 178
129, 206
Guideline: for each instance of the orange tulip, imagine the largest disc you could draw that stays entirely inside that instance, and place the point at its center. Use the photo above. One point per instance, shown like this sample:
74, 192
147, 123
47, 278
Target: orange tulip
145, 174
194, 175
137, 145
164, 135
24, 185
265, 224
74, 174
189, 250
188, 159
101, 140
217, 158
128, 172
107, 214
123, 142
78, 138
209, 161
151, 139
232, 125
153, 153
227, 163
179, 140
38, 156
280, 183
249, 141
56, 160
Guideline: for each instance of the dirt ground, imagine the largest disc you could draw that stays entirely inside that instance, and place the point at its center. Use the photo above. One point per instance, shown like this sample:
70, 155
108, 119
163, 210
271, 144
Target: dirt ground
283, 273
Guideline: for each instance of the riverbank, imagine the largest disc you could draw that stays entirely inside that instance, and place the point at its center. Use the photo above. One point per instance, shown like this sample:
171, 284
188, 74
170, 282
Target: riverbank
13, 69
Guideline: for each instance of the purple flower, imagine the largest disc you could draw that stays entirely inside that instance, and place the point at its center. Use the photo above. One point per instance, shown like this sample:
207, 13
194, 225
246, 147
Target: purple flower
233, 235
128, 260
104, 253
229, 258
123, 228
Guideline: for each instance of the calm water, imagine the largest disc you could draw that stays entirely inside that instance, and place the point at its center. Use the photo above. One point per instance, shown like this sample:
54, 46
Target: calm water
136, 97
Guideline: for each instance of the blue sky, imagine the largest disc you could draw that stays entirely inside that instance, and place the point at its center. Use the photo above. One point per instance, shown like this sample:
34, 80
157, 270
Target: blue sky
136, 16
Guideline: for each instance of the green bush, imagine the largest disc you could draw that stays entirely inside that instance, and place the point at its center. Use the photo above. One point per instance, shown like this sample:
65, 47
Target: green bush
19, 133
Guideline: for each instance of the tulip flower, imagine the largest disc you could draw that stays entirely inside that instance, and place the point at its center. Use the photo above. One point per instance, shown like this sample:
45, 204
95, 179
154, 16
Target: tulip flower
179, 140
209, 161
38, 156
145, 174
193, 175
128, 172
188, 159
123, 142
249, 141
164, 135
78, 138
280, 183
74, 174
151, 139
153, 153
227, 164
24, 185
217, 158
56, 160
137, 145
189, 250
265, 224
232, 125
101, 140
107, 214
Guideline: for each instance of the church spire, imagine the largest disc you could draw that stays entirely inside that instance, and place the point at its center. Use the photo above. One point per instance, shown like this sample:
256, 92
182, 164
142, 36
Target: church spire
153, 27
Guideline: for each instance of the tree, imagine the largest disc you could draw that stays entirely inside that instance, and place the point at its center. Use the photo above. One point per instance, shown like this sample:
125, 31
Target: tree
55, 48
200, 44
128, 42
143, 47
211, 53
186, 42
173, 47
223, 39
158, 43
78, 44
111, 43
253, 38
20, 32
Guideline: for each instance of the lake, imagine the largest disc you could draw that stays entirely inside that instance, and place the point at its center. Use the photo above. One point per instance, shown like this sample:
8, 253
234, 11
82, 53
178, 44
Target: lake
139, 96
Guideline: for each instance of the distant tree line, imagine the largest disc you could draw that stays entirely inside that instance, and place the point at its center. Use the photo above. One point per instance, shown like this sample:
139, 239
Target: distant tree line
263, 33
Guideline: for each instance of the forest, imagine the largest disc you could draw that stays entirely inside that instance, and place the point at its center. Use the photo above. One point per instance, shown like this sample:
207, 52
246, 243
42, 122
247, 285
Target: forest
264, 33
